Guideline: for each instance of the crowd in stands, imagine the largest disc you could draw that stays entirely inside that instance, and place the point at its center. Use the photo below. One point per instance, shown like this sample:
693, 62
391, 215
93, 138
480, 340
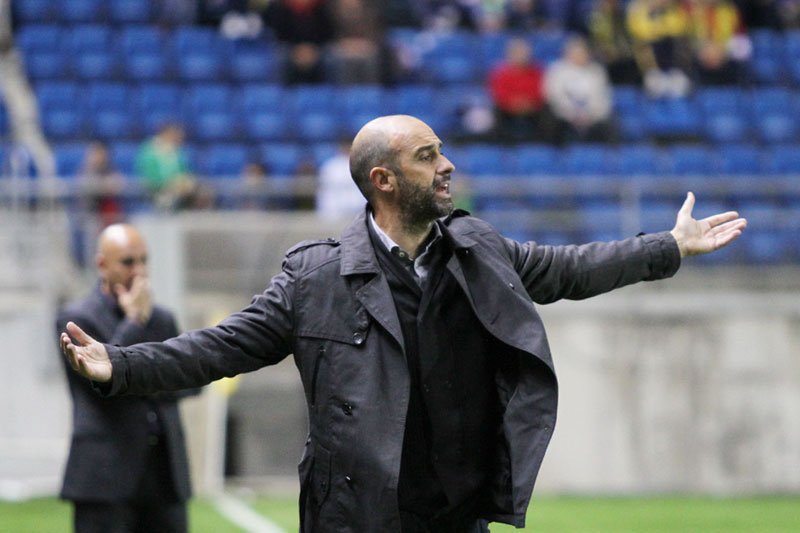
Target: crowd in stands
262, 88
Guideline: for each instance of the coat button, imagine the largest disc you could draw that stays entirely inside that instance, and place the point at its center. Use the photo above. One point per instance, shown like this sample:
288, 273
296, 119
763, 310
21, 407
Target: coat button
348, 480
347, 409
358, 337
511, 286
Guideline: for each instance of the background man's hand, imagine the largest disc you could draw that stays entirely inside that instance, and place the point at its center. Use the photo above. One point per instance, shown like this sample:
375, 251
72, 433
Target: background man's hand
89, 357
695, 237
136, 303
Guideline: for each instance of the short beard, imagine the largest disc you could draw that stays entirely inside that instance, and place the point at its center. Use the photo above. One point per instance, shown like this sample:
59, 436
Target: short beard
419, 206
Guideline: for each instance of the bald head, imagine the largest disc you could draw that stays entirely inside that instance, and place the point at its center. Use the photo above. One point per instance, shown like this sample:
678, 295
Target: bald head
121, 256
377, 144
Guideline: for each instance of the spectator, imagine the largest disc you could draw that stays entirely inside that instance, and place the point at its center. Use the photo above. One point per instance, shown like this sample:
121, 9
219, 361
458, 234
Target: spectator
163, 166
102, 185
517, 91
127, 468
357, 48
338, 198
660, 29
305, 27
579, 94
612, 43
720, 45
253, 186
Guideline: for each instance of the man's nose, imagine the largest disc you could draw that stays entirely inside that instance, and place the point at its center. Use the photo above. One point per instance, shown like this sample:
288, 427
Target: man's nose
447, 166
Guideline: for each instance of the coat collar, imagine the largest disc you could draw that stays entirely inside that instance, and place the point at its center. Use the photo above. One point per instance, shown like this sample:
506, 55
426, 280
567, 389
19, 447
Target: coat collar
358, 255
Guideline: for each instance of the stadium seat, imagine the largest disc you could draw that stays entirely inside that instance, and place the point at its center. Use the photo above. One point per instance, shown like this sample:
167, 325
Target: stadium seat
689, 160
41, 46
782, 159
312, 98
69, 157
768, 56
123, 156
28, 11
482, 160
109, 111
587, 159
452, 58
315, 126
628, 105
199, 54
280, 158
77, 11
412, 99
547, 45
254, 60
360, 104
741, 159
672, 118
47, 64
130, 11
775, 112
224, 160
264, 114
157, 104
140, 52
657, 216
536, 159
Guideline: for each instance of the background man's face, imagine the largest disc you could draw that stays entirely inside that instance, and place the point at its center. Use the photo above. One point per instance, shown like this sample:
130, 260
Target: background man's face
122, 262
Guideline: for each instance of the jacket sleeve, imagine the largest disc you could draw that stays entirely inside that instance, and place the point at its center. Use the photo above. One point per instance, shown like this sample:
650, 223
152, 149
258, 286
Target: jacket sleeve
259, 335
551, 273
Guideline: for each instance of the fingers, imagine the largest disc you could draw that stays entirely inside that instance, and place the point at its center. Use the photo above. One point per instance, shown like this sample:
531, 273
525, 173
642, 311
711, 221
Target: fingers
78, 334
716, 220
119, 289
688, 205
738, 224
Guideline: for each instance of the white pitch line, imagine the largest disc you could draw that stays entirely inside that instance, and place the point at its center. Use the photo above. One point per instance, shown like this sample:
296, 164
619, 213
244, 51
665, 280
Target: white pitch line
243, 516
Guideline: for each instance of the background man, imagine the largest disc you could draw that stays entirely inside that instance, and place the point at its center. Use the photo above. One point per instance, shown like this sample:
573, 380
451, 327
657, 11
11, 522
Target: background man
127, 468
428, 377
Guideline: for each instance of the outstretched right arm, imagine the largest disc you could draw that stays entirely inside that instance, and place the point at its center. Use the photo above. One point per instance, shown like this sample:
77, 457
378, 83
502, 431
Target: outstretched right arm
259, 335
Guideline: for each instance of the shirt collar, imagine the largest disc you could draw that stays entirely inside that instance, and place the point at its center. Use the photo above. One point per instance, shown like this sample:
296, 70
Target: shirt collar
433, 237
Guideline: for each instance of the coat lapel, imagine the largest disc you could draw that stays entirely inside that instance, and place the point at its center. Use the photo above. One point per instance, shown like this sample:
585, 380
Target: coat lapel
366, 279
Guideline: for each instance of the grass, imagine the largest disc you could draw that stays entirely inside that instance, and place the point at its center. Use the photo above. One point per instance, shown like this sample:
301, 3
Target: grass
546, 515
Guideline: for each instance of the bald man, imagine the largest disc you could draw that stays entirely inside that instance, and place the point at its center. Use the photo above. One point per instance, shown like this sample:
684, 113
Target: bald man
127, 469
430, 387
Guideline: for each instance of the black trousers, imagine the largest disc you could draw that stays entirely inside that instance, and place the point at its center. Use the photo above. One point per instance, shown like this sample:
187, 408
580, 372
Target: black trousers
154, 507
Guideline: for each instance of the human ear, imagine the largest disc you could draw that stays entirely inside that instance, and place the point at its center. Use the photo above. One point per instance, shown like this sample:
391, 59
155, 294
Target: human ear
382, 179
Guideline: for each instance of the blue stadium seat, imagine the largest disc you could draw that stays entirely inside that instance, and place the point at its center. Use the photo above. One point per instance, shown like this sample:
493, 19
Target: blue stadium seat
315, 126
61, 116
629, 115
280, 158
768, 56
57, 94
724, 113
157, 104
689, 160
360, 104
673, 118
312, 98
602, 219
141, 53
204, 97
255, 61
775, 112
224, 160
657, 216
264, 114
493, 49
109, 111
413, 99
640, 160
452, 58
28, 11
130, 11
123, 156
536, 159
90, 50
488, 161
69, 157
199, 53
217, 125
782, 159
587, 159
547, 45
76, 11
742, 159
792, 43
41, 46
322, 152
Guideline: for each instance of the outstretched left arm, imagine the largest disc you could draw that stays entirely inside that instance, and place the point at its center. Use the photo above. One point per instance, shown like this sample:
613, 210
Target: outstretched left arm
695, 237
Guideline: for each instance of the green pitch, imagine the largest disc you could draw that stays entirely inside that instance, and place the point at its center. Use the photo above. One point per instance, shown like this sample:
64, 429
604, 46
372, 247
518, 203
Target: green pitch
546, 515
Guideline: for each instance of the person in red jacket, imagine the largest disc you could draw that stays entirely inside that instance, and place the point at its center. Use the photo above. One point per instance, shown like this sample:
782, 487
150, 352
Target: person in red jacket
517, 90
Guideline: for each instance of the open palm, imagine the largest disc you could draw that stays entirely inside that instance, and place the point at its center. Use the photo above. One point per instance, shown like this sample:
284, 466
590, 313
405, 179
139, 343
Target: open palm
696, 237
88, 357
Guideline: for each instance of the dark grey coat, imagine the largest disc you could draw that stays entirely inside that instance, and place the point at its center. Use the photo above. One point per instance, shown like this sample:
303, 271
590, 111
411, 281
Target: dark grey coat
109, 435
331, 307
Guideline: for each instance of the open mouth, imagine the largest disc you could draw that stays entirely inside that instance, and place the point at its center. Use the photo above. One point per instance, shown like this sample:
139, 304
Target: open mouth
443, 188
